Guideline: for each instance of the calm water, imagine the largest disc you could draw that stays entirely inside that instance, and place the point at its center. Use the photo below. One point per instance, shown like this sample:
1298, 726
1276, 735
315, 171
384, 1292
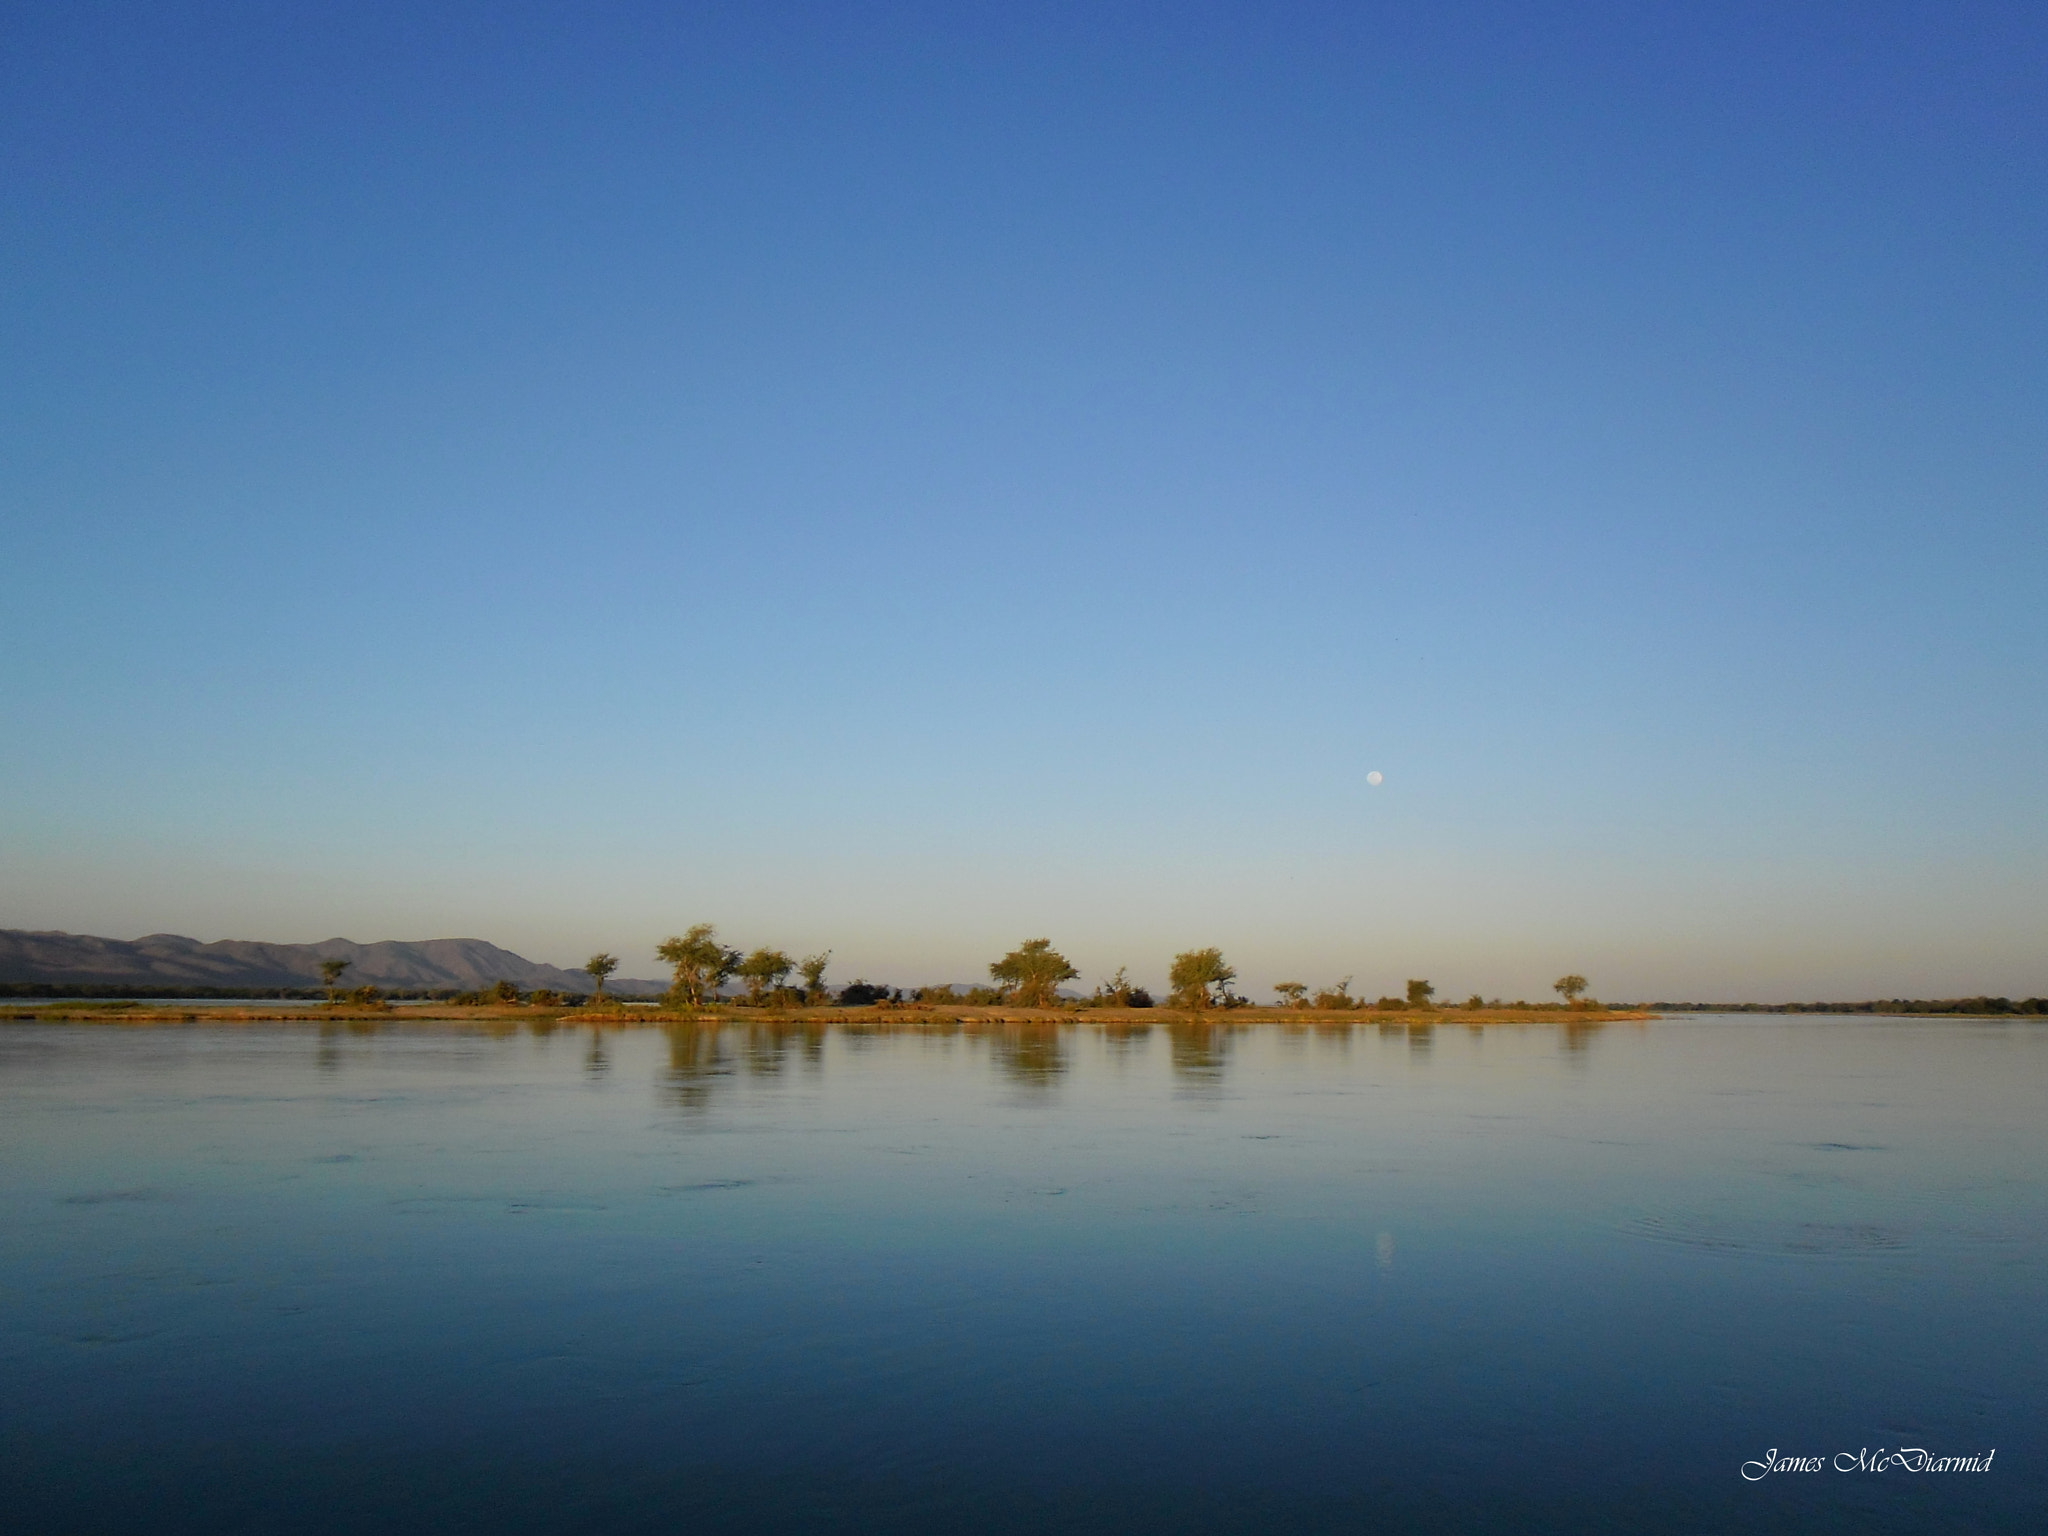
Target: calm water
276, 1278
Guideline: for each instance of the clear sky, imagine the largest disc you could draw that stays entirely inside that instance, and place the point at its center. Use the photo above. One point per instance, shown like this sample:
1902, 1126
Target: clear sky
909, 478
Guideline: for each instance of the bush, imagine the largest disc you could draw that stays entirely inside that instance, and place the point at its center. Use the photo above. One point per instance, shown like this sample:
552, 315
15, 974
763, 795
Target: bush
1338, 997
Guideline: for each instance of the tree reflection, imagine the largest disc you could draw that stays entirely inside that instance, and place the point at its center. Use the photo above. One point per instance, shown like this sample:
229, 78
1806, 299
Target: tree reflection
1031, 1054
695, 1066
597, 1061
1578, 1034
813, 1036
1199, 1050
766, 1047
1122, 1037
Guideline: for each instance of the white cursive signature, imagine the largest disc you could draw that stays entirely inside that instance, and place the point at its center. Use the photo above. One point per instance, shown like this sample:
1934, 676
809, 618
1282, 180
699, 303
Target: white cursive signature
1910, 1458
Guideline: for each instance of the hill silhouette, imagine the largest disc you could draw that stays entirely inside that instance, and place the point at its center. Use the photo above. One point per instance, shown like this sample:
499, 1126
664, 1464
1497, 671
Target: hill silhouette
172, 960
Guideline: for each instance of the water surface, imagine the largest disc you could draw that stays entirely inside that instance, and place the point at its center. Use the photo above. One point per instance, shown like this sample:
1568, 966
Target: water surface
416, 1278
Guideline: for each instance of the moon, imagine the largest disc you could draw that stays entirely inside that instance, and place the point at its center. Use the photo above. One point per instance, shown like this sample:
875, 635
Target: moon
1375, 778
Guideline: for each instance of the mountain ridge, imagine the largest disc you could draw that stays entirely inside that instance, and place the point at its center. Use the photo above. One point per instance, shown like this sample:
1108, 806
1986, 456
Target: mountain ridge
173, 960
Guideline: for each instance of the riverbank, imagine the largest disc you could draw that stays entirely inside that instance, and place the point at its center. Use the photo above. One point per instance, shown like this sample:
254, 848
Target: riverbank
904, 1016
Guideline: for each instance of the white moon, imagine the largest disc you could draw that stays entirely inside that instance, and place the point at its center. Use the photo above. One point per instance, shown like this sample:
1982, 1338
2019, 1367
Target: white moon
1375, 778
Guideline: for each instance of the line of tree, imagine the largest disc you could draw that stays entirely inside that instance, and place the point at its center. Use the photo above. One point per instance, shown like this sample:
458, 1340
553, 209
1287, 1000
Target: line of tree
1029, 976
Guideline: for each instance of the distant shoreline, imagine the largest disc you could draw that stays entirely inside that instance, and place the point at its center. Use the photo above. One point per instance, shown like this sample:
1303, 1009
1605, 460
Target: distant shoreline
906, 1017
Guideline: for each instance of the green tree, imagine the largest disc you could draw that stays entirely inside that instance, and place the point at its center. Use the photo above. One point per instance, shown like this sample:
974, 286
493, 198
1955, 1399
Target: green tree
1292, 994
701, 963
1419, 993
1195, 973
1031, 974
1117, 991
330, 973
599, 966
1570, 987
762, 970
813, 972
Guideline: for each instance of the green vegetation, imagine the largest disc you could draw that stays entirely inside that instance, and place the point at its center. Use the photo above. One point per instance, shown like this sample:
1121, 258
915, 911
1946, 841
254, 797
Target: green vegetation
865, 994
1571, 988
701, 964
1030, 975
812, 969
1201, 979
1419, 993
1338, 997
1119, 991
330, 973
600, 965
764, 971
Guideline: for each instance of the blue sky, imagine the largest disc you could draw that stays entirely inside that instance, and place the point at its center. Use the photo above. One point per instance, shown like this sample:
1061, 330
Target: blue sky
904, 479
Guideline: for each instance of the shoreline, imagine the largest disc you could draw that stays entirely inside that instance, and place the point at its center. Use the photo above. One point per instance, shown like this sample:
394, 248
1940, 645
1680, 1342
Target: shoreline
905, 1017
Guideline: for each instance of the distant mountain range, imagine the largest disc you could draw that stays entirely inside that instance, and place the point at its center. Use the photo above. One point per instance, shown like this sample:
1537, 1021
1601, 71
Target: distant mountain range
171, 960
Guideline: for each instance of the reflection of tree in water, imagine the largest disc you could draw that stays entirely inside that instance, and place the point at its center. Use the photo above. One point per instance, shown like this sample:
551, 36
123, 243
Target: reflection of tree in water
766, 1048
1422, 1038
1577, 1034
813, 1037
596, 1061
1031, 1054
695, 1066
1122, 1037
328, 1057
1198, 1052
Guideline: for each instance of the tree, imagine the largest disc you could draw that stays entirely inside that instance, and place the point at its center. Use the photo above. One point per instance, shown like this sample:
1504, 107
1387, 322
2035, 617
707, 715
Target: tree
599, 966
1419, 993
763, 969
1337, 997
1117, 991
1194, 973
813, 972
1569, 987
1293, 994
330, 973
1031, 974
701, 963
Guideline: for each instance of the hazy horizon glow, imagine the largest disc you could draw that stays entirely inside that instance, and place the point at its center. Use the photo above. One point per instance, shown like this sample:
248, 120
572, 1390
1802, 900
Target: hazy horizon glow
908, 479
